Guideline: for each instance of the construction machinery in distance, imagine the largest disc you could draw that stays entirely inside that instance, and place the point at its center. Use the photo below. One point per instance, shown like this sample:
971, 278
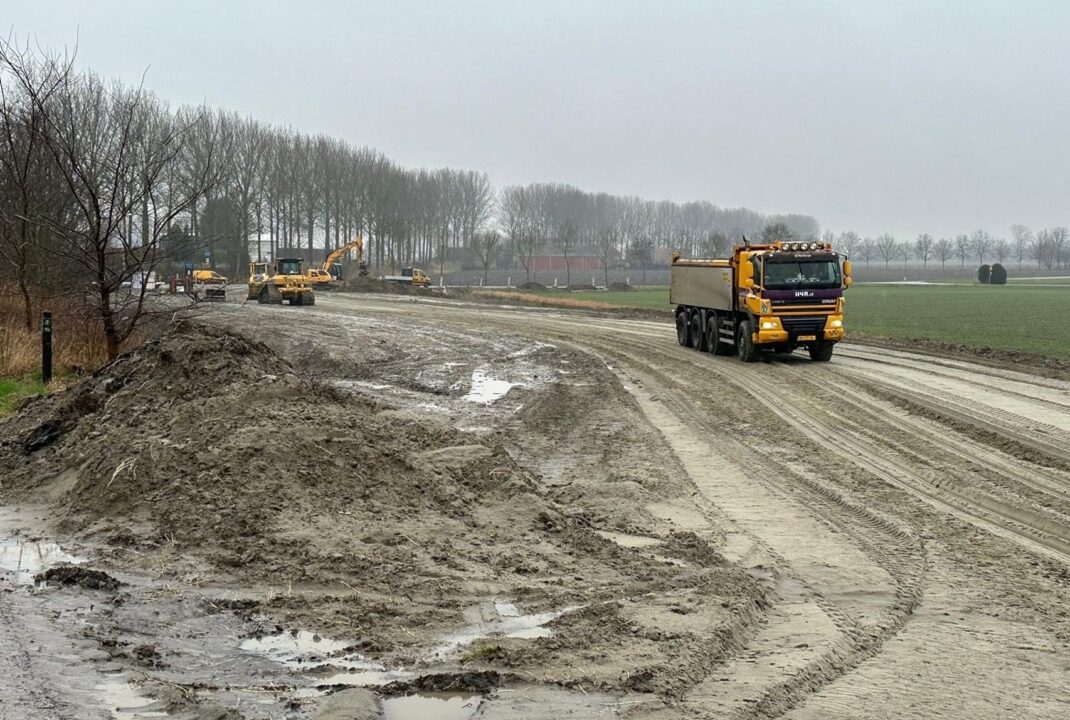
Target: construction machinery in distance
775, 297
327, 276
209, 285
410, 276
283, 281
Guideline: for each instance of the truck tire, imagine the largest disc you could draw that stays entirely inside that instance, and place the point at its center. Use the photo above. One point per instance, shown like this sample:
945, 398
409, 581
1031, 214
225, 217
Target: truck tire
697, 337
263, 297
714, 342
822, 352
311, 299
745, 347
682, 328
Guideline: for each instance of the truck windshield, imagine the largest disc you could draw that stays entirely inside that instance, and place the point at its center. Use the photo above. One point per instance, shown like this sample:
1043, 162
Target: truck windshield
781, 275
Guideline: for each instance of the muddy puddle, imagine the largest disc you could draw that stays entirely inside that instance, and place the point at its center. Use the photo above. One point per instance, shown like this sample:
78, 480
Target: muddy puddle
485, 389
23, 558
441, 706
497, 619
125, 701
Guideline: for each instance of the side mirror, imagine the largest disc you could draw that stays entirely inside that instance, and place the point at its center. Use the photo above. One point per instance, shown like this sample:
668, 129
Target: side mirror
847, 273
746, 274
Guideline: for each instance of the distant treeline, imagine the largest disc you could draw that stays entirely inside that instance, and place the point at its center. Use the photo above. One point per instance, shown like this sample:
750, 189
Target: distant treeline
1048, 248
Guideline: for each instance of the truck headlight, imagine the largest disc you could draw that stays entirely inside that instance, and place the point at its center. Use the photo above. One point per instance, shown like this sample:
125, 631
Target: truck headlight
836, 323
768, 325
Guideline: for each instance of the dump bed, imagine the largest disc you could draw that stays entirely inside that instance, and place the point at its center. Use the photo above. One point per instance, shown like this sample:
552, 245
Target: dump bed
702, 283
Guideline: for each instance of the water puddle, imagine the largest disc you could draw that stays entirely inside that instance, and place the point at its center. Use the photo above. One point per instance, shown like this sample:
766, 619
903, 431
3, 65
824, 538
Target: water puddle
294, 648
25, 558
440, 706
629, 541
125, 702
485, 389
501, 620
322, 659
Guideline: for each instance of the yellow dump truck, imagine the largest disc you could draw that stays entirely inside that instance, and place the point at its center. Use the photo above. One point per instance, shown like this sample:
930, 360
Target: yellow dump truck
775, 298
283, 282
410, 276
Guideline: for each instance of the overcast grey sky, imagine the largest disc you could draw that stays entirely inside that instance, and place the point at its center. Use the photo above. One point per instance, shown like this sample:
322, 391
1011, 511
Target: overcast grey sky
898, 117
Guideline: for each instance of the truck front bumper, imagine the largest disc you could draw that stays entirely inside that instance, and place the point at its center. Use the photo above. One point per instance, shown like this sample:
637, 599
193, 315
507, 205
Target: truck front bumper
771, 332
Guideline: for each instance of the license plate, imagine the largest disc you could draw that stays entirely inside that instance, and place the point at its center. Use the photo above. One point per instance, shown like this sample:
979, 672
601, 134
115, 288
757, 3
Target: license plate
803, 338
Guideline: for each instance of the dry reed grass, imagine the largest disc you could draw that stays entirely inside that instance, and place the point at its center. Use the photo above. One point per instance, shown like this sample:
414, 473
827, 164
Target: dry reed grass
77, 343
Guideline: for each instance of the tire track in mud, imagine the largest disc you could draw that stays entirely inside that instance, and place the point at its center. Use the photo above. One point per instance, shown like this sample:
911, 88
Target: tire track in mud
1029, 387
996, 421
1042, 480
893, 546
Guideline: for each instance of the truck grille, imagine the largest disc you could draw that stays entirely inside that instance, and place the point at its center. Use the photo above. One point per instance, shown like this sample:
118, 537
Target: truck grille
803, 325
781, 307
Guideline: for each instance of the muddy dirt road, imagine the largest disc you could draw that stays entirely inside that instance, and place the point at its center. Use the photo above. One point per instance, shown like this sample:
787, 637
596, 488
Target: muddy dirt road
887, 535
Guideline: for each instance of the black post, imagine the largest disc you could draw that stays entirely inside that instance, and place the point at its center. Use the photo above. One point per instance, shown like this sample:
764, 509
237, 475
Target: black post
46, 348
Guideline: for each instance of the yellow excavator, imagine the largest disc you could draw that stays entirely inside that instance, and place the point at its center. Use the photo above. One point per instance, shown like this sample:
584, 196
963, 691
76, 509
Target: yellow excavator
282, 282
322, 278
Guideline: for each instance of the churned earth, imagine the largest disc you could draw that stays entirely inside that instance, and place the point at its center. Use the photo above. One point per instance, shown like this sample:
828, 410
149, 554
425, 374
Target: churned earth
419, 507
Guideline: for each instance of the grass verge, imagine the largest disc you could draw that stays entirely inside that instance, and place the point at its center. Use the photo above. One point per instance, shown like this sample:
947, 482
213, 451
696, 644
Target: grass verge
13, 390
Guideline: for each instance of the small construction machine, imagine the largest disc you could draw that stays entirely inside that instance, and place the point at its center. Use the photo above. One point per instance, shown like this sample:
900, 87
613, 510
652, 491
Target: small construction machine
775, 297
283, 281
209, 285
326, 277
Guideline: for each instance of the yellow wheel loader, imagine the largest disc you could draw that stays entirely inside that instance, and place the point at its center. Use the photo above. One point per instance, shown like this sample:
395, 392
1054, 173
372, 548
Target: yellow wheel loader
285, 281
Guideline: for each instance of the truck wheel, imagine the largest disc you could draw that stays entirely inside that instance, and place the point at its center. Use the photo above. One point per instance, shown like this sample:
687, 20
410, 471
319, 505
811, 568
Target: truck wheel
263, 296
822, 352
310, 300
698, 338
714, 342
681, 328
745, 344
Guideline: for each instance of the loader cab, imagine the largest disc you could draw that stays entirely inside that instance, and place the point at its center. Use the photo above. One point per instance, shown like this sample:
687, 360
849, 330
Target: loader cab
288, 266
258, 271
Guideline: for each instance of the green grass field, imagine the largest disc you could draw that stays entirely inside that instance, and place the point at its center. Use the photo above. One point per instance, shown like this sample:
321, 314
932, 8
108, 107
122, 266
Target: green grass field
1026, 317
13, 390
1015, 317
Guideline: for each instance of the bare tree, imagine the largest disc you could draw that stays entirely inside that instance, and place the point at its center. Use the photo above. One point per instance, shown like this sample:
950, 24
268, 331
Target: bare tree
1022, 238
981, 243
944, 249
1001, 248
112, 149
485, 244
27, 86
962, 248
923, 248
866, 248
848, 241
906, 251
887, 248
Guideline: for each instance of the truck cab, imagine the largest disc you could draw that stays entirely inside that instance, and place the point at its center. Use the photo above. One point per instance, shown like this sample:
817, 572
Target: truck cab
764, 298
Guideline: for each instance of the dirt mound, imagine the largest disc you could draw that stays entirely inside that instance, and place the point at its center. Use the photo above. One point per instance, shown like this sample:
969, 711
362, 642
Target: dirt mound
531, 286
77, 575
205, 441
619, 287
375, 285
